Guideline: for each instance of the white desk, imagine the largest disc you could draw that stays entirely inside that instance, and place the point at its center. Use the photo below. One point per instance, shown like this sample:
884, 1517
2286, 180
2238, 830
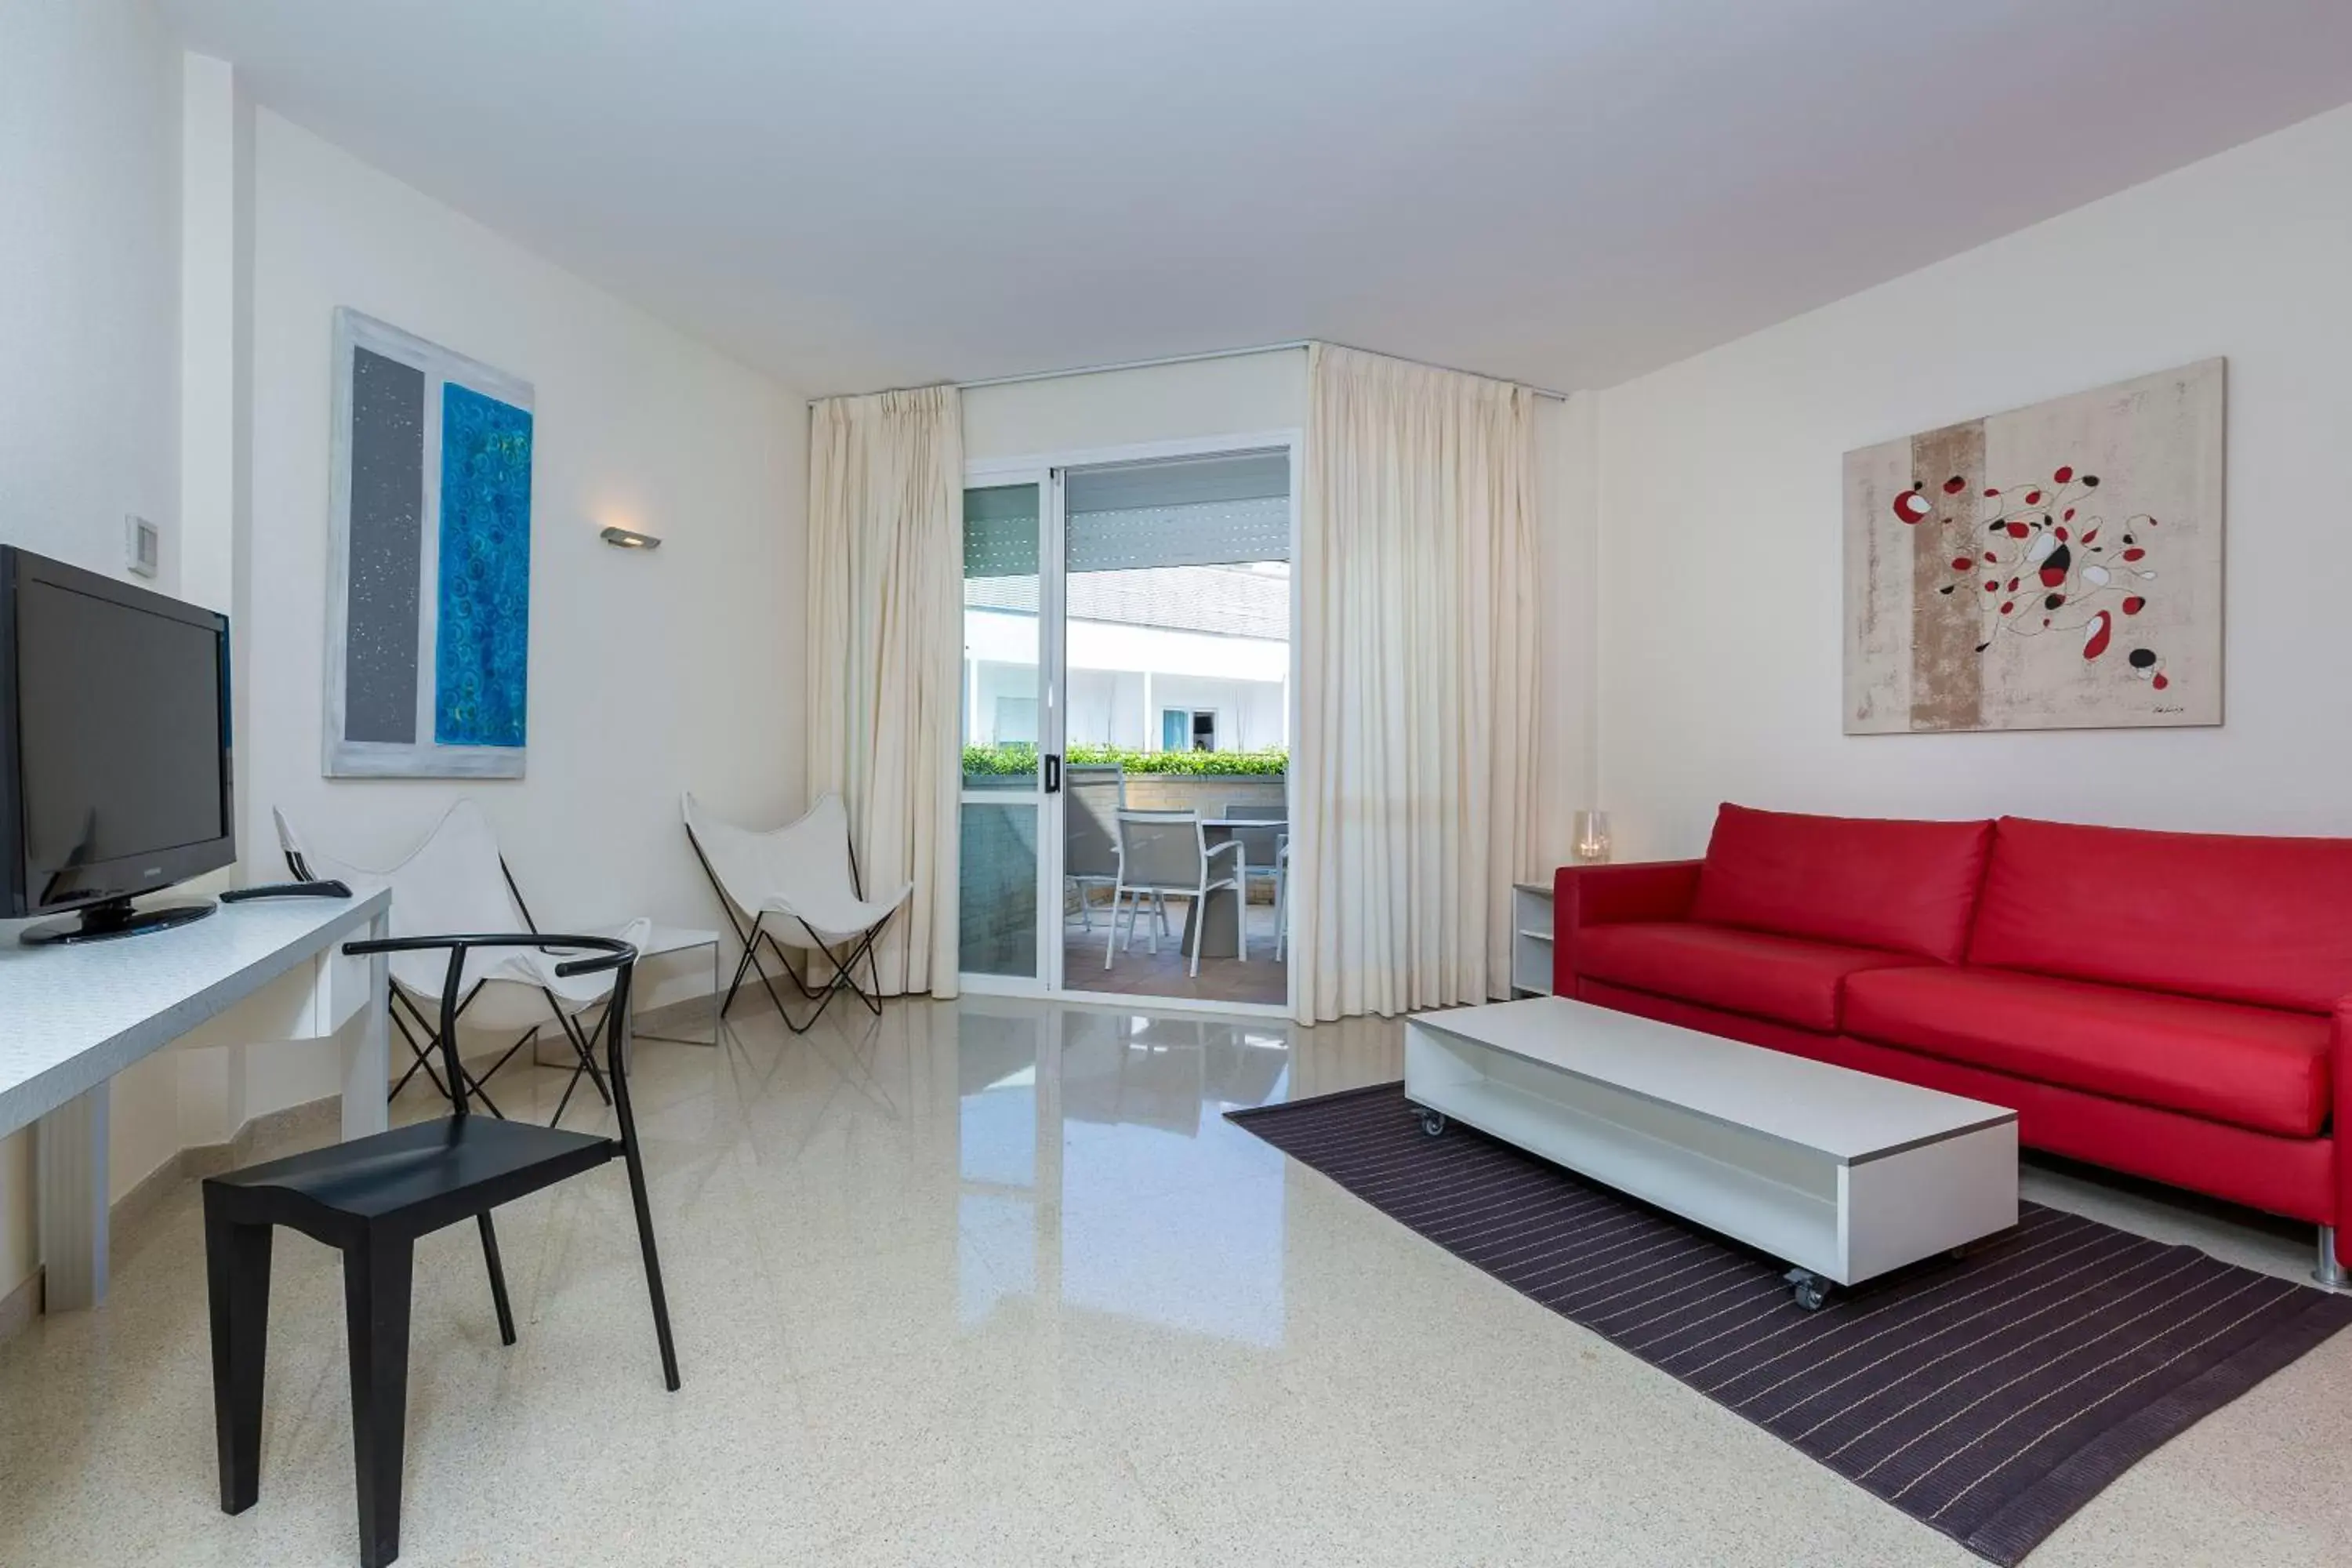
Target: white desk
71, 1017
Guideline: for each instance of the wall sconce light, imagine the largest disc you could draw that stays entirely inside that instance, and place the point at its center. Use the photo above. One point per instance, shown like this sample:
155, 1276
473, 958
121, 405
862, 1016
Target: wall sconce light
1591, 847
630, 539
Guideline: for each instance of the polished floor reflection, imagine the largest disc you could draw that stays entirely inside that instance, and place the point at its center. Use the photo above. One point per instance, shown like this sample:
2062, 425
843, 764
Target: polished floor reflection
992, 1282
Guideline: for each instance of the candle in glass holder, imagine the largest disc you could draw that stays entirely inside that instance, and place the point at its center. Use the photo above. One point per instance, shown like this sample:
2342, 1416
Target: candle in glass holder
1593, 837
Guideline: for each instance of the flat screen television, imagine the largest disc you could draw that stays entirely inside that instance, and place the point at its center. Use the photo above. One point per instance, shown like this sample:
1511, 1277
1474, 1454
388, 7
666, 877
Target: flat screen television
114, 750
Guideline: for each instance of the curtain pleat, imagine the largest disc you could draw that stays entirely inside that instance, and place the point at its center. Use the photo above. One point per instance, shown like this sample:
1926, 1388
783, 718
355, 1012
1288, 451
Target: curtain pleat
1415, 788
885, 649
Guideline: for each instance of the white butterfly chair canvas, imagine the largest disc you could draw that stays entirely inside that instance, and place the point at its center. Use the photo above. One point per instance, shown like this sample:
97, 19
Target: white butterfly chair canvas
806, 874
456, 883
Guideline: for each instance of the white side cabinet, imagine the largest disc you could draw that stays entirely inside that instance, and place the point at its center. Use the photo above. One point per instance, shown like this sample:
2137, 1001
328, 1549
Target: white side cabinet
1531, 939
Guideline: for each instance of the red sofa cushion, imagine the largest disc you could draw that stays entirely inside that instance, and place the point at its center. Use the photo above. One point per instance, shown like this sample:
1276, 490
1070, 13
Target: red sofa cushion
2251, 1066
1783, 978
2265, 920
1907, 887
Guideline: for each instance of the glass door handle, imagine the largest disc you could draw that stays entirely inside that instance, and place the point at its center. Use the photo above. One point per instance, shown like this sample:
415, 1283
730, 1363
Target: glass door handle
1053, 773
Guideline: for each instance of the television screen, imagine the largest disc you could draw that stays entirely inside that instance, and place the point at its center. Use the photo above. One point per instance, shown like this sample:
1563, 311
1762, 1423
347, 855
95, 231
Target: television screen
114, 750
119, 728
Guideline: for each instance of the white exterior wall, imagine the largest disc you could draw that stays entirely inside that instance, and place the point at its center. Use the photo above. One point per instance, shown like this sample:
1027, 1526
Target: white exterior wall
1121, 676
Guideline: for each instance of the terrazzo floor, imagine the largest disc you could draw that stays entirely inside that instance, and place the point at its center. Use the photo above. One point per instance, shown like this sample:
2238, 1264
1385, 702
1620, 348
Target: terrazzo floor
994, 1282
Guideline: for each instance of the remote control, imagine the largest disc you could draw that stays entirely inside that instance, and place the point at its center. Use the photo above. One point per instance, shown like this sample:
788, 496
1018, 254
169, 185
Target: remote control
330, 889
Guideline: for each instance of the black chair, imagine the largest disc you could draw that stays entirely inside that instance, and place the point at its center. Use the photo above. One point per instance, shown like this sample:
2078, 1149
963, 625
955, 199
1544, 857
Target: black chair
371, 1198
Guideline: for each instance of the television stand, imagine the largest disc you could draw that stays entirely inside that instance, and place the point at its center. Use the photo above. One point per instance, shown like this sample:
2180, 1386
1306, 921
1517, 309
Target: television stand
114, 918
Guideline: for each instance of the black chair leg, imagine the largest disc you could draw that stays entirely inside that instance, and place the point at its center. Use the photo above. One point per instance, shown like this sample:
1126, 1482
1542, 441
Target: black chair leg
497, 1278
873, 967
377, 1270
653, 1264
237, 1271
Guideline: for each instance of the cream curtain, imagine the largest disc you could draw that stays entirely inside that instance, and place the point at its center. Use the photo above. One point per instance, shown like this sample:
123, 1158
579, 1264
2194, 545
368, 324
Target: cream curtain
1415, 785
885, 654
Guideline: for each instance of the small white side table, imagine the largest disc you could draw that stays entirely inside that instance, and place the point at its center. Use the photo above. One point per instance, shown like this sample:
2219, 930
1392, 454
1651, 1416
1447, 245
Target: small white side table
664, 941
668, 939
1531, 939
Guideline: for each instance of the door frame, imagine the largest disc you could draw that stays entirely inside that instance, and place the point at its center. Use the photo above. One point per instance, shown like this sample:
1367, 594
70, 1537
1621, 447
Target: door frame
1046, 469
1049, 727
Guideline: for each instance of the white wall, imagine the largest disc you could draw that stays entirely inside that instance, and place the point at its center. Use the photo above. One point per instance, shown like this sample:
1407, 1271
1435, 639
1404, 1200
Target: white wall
650, 672
89, 370
90, 277
1249, 394
1720, 506
1249, 712
1568, 758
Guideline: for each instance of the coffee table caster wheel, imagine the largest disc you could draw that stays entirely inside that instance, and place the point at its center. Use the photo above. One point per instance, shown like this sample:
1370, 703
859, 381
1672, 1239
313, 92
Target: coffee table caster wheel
1806, 1289
1434, 1122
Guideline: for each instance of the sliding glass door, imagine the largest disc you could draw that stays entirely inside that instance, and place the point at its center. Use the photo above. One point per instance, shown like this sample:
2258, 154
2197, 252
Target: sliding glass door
1127, 702
1006, 700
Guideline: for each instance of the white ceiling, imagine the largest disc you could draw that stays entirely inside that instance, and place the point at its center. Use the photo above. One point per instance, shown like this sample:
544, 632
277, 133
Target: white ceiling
870, 193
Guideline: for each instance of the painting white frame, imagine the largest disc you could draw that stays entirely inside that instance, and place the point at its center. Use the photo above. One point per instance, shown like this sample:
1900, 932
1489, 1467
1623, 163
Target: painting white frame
1912, 545
423, 757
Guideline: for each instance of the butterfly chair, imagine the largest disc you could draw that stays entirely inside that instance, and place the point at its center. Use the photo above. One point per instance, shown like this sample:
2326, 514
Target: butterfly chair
804, 872
1164, 853
373, 1197
456, 880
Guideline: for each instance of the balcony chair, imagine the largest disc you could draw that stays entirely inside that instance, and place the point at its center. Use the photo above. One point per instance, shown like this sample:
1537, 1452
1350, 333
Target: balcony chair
1165, 853
1265, 854
1097, 795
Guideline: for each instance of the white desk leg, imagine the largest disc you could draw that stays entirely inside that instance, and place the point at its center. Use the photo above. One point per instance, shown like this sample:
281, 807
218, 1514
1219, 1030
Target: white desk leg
367, 1069
69, 1174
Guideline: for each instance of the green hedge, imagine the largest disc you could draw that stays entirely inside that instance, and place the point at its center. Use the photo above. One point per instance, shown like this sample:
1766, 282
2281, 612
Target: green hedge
1019, 757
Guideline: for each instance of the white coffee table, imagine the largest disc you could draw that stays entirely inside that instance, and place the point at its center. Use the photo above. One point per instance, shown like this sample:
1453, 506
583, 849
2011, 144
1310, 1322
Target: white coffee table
1843, 1174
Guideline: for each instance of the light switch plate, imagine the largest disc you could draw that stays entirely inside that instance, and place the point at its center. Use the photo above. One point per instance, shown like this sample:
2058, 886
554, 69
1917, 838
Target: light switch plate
143, 546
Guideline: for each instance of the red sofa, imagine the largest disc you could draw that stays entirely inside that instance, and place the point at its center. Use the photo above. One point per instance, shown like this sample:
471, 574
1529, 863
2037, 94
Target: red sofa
2176, 1006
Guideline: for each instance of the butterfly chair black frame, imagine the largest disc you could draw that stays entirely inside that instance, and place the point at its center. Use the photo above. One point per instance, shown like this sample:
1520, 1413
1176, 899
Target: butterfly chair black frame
845, 968
421, 1050
372, 1198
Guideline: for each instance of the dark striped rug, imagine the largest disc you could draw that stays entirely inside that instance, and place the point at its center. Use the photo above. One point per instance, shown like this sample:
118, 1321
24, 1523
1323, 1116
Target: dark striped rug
1989, 1398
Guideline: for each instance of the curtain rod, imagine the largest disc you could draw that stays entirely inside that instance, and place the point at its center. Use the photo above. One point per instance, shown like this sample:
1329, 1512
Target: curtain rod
1296, 344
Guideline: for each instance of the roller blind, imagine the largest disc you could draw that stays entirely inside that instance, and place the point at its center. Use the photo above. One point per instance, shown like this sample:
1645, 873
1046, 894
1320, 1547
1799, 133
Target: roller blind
1186, 511
1000, 531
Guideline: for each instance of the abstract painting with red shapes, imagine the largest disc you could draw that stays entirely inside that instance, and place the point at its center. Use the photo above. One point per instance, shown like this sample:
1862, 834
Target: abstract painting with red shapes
2054, 567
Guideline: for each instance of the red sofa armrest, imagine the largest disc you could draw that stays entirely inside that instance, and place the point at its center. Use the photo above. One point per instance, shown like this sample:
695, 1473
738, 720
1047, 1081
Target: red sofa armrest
1613, 895
2339, 1068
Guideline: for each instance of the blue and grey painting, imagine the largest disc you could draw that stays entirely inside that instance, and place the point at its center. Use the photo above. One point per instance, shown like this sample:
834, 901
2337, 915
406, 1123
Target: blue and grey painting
482, 643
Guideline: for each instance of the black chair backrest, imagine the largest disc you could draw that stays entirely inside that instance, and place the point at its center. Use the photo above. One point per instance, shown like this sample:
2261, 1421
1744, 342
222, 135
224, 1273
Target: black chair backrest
604, 952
